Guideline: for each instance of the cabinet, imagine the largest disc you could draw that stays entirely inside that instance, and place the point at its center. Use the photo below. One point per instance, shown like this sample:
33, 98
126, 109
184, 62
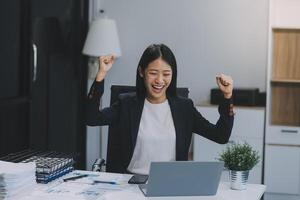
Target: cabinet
282, 148
248, 127
279, 179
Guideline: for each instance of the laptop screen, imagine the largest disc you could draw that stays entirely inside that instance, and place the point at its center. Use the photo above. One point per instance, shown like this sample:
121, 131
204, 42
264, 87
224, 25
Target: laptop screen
184, 178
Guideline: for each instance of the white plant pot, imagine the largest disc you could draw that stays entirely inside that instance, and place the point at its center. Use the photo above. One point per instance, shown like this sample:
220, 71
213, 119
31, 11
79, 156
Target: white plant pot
238, 179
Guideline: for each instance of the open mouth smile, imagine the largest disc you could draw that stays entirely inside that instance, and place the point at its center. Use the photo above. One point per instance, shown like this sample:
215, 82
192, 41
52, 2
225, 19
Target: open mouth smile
157, 88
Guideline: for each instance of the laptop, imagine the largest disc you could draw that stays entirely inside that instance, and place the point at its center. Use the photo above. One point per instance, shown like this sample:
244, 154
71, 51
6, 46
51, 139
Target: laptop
183, 178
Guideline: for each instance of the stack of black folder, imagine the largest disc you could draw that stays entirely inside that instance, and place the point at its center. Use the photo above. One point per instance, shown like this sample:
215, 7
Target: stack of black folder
49, 165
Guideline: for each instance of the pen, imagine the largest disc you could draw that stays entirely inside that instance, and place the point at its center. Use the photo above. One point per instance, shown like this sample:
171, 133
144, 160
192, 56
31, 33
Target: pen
108, 182
75, 177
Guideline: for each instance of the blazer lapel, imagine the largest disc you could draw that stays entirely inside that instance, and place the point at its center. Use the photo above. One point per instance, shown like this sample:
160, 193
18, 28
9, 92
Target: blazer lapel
176, 121
136, 113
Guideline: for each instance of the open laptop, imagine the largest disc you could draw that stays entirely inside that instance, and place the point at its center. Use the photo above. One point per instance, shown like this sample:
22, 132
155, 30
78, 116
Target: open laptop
183, 178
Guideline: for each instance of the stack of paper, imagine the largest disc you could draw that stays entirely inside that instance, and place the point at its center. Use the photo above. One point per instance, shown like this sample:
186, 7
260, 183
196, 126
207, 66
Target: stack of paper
16, 178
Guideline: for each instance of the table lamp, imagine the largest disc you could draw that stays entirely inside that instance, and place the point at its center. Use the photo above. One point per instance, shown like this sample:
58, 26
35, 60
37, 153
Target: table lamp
102, 39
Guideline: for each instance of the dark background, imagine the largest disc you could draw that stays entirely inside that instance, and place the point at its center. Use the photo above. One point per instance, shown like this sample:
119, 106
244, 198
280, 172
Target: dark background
46, 113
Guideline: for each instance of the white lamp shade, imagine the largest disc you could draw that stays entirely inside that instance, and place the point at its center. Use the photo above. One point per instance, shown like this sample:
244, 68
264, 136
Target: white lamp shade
102, 39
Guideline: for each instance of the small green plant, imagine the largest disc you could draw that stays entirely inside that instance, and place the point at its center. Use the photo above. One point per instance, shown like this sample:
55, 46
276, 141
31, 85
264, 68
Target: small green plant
239, 157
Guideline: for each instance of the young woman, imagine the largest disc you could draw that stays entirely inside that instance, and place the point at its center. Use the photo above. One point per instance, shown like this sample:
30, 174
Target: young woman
154, 123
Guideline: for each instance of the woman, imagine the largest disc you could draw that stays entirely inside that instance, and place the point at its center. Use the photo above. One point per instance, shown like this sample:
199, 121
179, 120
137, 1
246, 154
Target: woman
156, 124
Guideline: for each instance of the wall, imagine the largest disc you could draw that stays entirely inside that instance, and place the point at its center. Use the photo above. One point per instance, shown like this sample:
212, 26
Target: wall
93, 134
208, 37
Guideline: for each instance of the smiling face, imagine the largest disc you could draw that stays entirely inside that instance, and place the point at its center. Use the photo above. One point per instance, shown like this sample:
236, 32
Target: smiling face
157, 78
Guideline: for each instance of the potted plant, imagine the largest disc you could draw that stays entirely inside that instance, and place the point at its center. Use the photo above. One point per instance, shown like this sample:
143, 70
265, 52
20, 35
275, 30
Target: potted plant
239, 159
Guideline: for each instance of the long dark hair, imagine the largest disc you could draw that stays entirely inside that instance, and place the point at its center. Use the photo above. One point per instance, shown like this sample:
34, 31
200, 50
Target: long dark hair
150, 54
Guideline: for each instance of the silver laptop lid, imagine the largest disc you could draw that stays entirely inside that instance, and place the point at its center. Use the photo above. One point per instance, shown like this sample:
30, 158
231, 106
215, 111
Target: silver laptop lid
184, 178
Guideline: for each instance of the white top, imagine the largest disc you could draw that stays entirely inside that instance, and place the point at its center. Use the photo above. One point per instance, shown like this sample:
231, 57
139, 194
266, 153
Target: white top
156, 138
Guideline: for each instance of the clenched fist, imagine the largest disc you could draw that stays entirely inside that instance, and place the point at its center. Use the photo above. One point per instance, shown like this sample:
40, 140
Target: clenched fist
105, 63
225, 84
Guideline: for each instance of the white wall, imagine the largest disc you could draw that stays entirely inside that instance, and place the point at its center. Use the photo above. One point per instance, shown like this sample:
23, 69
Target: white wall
93, 134
207, 37
93, 142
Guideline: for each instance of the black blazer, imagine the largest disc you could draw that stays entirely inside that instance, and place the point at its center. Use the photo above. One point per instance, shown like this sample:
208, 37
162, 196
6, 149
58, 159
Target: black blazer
126, 114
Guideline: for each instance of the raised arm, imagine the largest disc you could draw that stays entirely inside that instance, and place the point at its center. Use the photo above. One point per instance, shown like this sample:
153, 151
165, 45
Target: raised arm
106, 116
221, 131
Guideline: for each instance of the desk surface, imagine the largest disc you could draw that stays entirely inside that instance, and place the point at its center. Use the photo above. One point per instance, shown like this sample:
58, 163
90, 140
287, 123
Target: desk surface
84, 189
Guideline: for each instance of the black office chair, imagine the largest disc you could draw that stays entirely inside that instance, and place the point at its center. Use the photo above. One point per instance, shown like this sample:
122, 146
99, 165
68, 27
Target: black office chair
113, 157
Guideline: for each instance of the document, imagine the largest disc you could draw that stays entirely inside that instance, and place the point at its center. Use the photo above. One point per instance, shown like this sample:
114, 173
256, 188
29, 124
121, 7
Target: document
89, 187
16, 178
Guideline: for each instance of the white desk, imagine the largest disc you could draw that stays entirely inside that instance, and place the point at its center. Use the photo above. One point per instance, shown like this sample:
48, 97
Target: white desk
82, 189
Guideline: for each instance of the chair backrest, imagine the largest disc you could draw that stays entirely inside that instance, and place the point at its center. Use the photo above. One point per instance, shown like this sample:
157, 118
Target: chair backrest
113, 158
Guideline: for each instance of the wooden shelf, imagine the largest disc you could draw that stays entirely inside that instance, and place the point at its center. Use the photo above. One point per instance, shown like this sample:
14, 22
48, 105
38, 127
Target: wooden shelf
285, 104
281, 80
285, 88
286, 50
285, 27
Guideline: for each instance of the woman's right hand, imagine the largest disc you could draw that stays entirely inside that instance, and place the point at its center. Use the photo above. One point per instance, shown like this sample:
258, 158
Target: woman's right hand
105, 63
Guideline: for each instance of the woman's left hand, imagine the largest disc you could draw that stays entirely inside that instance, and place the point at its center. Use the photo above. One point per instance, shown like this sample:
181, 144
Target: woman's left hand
225, 84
